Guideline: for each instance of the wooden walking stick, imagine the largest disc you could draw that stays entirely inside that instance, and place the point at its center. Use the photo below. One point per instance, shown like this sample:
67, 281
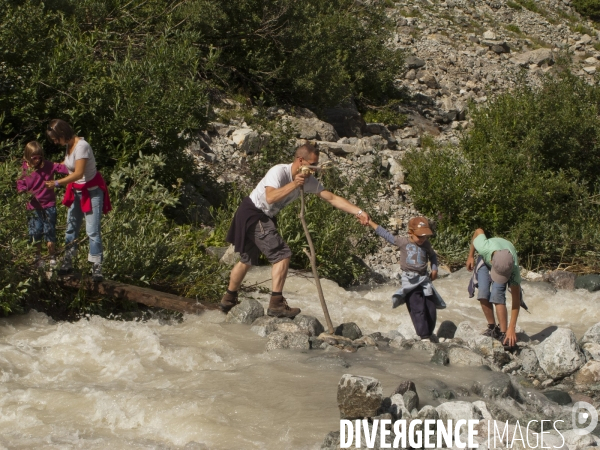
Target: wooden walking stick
312, 256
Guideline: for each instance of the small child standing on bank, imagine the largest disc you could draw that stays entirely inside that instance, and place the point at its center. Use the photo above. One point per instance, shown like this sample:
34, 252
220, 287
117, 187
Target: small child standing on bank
417, 291
42, 219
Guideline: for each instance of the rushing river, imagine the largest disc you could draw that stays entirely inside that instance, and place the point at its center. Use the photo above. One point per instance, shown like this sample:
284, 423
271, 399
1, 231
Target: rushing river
205, 384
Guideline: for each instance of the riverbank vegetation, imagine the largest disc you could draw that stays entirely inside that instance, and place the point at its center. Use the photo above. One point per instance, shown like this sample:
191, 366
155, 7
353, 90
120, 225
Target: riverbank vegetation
141, 78
528, 170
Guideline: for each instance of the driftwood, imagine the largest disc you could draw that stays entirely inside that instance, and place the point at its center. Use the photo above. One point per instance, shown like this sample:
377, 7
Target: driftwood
313, 263
138, 294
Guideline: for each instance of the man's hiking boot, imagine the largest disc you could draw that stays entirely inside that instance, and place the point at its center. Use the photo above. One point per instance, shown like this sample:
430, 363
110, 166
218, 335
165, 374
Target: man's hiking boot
278, 307
97, 272
492, 331
228, 301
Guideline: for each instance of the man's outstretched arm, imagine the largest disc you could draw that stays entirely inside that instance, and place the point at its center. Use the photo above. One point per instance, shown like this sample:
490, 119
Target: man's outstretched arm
344, 205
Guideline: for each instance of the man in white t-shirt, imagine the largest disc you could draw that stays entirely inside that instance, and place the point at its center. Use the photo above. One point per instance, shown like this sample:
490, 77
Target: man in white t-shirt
254, 229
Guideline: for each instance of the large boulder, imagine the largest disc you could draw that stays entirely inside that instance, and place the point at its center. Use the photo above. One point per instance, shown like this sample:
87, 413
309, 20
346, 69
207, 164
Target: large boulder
349, 330
358, 397
246, 312
287, 340
538, 57
464, 357
589, 373
314, 129
559, 355
309, 324
561, 279
590, 282
265, 325
346, 119
248, 140
592, 335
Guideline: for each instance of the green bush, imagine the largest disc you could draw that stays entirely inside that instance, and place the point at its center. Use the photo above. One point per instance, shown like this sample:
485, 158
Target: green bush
588, 8
141, 245
528, 171
139, 75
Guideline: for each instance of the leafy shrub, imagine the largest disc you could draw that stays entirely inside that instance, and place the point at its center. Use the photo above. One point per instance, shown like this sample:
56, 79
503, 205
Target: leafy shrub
588, 8
514, 28
527, 171
386, 116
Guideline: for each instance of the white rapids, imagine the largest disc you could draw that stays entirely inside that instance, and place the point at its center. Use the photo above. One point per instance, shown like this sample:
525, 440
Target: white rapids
205, 384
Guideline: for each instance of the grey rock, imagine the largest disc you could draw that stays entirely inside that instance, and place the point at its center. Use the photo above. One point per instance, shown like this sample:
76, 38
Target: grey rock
441, 356
349, 330
313, 128
591, 351
500, 385
287, 340
331, 441
346, 120
246, 312
538, 57
458, 411
404, 387
590, 282
412, 62
465, 357
230, 257
358, 397
265, 325
559, 355
309, 324
560, 397
561, 279
411, 400
447, 329
397, 407
529, 361
592, 335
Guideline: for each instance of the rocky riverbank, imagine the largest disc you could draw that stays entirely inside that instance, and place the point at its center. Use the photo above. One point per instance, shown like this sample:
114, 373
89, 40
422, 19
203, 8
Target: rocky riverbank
540, 379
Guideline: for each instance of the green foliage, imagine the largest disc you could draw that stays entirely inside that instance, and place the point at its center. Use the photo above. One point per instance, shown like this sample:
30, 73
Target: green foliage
527, 171
514, 5
386, 115
141, 245
579, 28
135, 76
514, 28
588, 8
339, 239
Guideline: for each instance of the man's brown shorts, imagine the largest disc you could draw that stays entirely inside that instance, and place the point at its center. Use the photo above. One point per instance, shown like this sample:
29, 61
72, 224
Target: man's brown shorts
263, 237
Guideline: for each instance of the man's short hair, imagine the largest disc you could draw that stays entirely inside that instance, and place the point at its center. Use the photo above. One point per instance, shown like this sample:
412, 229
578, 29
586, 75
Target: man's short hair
305, 150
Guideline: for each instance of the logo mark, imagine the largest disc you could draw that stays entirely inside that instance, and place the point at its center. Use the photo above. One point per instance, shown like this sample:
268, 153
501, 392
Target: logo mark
585, 418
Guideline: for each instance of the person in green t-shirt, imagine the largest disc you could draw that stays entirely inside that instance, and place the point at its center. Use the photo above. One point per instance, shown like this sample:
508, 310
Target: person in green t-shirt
500, 269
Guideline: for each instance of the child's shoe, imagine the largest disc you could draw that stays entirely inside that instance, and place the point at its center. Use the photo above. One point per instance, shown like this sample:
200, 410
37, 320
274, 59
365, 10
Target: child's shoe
97, 272
492, 331
39, 262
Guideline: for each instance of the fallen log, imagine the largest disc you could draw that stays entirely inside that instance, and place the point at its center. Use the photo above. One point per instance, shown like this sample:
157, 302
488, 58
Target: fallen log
148, 297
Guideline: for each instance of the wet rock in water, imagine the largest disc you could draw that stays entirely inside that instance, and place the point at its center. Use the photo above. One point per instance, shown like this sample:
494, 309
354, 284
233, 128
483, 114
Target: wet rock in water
309, 324
358, 397
404, 387
286, 340
574, 439
265, 325
316, 342
425, 346
483, 408
592, 335
447, 329
560, 397
589, 373
499, 386
466, 332
331, 441
590, 282
465, 357
349, 330
441, 356
561, 279
329, 361
411, 400
397, 407
559, 355
246, 312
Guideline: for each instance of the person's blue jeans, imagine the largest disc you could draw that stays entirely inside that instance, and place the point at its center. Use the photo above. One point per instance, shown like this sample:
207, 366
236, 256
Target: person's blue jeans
488, 289
42, 224
92, 224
